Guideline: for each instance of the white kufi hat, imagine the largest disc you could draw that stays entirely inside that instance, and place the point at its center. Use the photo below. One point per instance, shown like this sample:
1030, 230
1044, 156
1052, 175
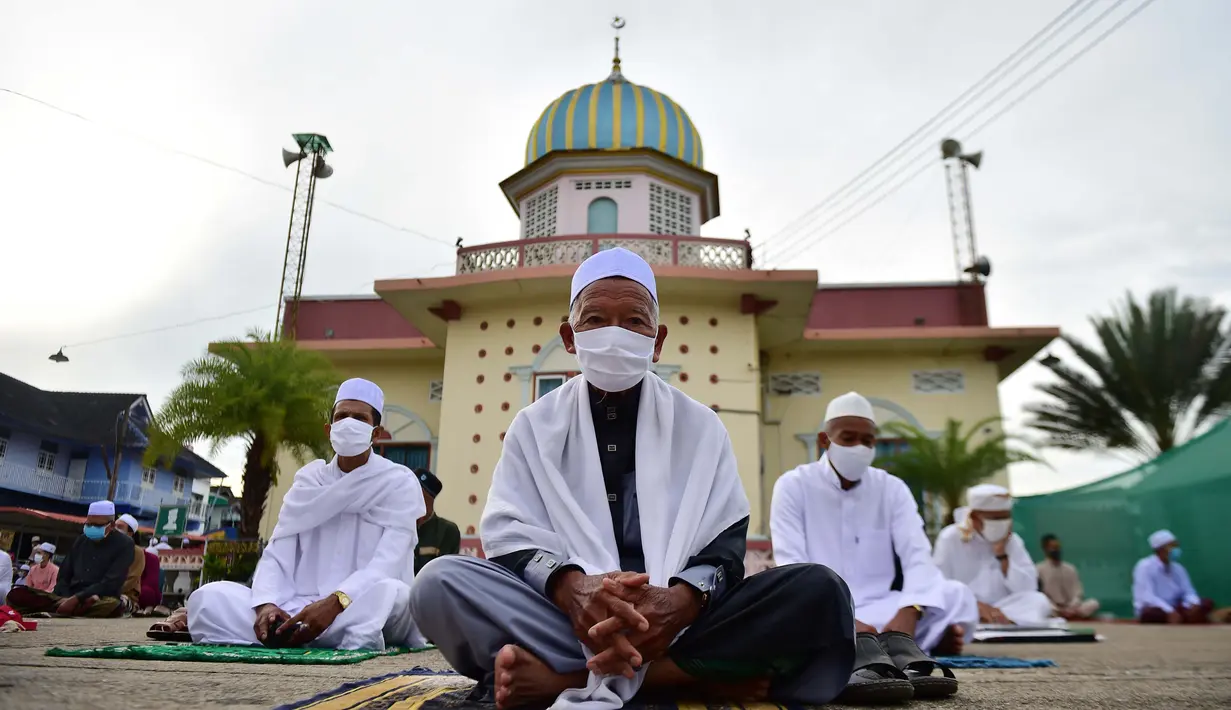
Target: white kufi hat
362, 390
610, 263
989, 497
851, 404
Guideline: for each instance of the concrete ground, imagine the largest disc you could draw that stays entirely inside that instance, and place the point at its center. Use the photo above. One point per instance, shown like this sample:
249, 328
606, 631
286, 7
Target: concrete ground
1136, 667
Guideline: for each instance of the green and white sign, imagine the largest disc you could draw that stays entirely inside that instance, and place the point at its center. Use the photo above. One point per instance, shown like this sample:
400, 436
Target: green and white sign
172, 519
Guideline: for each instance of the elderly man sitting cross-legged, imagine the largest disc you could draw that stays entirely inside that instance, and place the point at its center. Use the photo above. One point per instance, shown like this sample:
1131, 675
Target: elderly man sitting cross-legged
616, 526
338, 566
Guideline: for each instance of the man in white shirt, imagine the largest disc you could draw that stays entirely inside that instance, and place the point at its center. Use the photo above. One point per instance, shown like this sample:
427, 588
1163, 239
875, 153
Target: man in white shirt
863, 523
337, 570
983, 552
1162, 590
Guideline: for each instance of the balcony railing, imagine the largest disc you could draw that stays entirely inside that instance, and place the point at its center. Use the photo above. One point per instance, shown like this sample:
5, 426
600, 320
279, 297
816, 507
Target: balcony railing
51, 485
657, 249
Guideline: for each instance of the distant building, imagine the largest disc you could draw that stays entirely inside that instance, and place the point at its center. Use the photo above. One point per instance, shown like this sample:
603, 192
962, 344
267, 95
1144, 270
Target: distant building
56, 447
617, 164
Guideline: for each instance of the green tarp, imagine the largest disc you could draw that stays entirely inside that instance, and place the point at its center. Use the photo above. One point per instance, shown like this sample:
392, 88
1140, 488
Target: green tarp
1104, 525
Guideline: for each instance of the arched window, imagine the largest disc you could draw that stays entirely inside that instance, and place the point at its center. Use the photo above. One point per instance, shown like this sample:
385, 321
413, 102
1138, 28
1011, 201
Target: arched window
602, 216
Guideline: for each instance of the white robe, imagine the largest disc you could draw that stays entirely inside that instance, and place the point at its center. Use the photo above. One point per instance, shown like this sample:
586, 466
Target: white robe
350, 532
856, 533
972, 562
548, 493
6, 575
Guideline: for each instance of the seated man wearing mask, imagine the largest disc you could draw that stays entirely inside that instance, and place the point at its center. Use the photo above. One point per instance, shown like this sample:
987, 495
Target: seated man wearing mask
337, 570
983, 552
43, 573
1060, 582
864, 523
1162, 590
90, 580
615, 521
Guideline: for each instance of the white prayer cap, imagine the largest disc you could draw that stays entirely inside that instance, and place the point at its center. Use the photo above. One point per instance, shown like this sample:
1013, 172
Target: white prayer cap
130, 521
362, 390
47, 547
611, 263
102, 507
1159, 538
989, 497
25, 568
851, 404
163, 538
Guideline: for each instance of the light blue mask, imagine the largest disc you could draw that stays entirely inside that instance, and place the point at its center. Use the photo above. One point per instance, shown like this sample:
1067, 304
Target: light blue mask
94, 532
1175, 554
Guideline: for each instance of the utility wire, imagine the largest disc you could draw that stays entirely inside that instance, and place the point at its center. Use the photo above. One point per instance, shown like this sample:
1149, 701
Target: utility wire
165, 328
223, 166
1057, 23
798, 244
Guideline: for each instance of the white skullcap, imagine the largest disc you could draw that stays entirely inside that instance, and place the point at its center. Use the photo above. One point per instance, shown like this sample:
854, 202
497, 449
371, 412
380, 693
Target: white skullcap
851, 404
102, 507
163, 538
362, 390
611, 263
989, 497
130, 521
48, 548
25, 568
1159, 538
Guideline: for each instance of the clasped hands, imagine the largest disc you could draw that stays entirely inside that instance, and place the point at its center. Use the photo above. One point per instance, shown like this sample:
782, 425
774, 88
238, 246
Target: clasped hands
623, 619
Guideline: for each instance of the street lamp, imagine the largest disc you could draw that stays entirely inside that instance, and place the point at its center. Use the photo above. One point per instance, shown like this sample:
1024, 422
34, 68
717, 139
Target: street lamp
59, 356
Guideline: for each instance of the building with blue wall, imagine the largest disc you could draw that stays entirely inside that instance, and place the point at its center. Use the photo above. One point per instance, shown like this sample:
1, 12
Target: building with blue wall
57, 450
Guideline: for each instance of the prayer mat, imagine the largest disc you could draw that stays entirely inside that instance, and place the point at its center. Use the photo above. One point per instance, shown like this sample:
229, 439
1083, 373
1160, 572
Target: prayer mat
423, 689
230, 654
1015, 634
994, 662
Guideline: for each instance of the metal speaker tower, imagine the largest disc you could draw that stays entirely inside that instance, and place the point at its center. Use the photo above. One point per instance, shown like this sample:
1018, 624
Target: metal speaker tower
312, 150
966, 257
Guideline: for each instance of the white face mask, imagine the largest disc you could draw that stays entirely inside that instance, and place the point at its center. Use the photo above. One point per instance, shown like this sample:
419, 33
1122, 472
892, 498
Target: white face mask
350, 437
613, 359
39, 559
996, 530
851, 462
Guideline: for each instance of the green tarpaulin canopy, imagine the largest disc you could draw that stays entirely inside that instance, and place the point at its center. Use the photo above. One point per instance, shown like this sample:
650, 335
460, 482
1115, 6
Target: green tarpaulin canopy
1104, 525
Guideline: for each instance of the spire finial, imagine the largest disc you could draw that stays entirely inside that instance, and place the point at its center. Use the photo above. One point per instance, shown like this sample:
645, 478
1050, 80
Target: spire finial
617, 23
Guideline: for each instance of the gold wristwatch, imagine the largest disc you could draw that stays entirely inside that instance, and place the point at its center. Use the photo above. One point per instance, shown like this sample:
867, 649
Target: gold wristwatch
342, 599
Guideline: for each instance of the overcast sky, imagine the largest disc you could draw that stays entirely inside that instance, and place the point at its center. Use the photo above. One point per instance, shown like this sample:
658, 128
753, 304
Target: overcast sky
1112, 177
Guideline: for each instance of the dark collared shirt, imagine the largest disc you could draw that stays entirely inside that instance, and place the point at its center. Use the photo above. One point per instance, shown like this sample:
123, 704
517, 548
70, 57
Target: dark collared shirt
95, 567
437, 537
719, 564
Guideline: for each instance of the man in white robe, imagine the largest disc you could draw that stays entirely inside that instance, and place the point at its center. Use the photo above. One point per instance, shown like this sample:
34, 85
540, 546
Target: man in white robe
615, 529
983, 552
338, 567
863, 523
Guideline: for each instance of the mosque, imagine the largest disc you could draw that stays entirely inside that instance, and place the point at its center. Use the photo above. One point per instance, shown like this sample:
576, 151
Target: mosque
619, 164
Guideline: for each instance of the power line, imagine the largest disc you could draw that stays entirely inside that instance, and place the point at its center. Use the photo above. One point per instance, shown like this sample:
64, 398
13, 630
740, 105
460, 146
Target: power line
796, 245
222, 166
165, 328
1058, 23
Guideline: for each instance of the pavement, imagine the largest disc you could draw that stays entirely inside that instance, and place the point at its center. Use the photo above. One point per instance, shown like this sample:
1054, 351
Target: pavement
1136, 667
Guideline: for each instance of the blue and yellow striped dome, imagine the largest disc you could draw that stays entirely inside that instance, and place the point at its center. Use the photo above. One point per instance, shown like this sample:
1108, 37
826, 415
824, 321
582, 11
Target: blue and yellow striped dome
615, 114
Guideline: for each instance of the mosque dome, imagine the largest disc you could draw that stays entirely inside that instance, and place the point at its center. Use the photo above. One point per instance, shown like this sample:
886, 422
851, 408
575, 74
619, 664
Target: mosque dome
615, 114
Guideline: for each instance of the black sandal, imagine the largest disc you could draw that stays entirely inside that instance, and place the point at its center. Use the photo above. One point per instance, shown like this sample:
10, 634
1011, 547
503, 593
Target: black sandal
918, 666
875, 680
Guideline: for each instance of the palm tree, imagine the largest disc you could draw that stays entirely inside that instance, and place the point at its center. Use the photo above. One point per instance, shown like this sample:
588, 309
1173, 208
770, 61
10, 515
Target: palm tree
266, 391
949, 464
1163, 373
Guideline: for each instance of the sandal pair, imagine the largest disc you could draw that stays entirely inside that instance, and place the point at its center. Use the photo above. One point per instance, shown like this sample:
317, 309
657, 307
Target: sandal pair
175, 628
891, 668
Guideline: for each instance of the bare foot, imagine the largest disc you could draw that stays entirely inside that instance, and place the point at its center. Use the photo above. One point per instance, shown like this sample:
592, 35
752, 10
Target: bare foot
522, 679
952, 642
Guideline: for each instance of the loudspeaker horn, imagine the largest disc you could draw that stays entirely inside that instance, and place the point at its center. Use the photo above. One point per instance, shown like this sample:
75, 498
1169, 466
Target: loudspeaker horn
982, 267
322, 170
288, 157
975, 159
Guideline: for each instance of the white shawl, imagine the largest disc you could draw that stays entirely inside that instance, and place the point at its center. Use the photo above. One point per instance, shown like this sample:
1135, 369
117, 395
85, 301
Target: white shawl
378, 491
548, 493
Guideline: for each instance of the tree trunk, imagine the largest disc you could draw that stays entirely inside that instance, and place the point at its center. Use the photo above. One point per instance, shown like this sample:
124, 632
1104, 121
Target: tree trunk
256, 488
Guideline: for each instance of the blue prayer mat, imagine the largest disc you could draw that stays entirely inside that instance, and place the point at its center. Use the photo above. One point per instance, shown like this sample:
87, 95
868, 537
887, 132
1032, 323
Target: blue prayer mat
994, 662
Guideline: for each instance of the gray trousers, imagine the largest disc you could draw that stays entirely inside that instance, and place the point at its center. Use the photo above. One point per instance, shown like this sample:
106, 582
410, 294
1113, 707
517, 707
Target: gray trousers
792, 624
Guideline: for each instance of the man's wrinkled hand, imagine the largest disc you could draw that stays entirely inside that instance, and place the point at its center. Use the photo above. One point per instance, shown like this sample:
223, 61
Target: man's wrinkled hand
989, 614
67, 606
586, 602
266, 615
668, 610
313, 620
